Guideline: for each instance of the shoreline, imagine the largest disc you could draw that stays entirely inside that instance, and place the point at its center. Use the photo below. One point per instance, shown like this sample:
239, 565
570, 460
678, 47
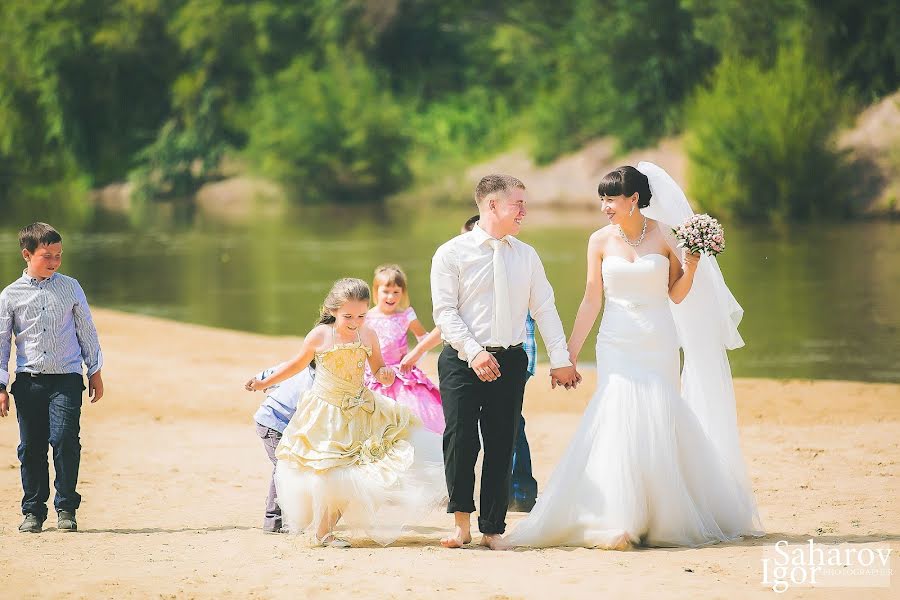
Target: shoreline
217, 362
568, 182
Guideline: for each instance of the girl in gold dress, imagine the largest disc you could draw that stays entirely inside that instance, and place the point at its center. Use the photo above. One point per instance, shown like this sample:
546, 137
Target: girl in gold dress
348, 453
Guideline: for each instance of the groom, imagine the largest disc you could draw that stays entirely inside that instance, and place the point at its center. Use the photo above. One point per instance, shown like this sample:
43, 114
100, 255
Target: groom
483, 283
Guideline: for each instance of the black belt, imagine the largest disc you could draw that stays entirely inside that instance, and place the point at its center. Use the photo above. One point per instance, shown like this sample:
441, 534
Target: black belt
501, 349
36, 375
497, 349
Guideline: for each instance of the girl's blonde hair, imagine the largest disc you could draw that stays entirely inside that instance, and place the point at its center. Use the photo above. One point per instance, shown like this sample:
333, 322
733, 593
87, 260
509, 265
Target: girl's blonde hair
343, 291
391, 275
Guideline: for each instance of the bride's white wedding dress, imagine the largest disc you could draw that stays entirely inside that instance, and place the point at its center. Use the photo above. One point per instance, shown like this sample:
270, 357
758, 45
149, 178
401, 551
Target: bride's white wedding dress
641, 468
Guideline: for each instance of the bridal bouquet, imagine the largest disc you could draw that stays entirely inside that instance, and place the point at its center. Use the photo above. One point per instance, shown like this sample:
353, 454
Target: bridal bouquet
701, 233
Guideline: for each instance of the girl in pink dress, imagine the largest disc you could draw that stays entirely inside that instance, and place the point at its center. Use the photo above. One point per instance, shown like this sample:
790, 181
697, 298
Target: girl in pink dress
391, 318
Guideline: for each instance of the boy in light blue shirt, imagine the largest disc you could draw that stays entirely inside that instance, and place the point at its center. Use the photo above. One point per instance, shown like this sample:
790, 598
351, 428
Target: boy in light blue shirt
48, 314
271, 418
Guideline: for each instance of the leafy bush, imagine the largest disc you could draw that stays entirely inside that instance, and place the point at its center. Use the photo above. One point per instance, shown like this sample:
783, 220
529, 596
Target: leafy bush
468, 125
331, 133
37, 168
622, 68
760, 141
183, 157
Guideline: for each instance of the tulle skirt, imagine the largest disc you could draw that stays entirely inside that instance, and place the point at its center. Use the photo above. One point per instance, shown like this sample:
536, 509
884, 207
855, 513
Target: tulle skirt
418, 393
378, 498
640, 469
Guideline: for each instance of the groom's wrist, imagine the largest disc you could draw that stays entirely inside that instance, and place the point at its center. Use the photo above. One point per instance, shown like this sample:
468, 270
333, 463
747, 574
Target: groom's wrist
472, 357
472, 349
559, 359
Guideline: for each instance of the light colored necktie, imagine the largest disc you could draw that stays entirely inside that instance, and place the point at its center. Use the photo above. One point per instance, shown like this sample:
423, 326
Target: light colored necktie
501, 327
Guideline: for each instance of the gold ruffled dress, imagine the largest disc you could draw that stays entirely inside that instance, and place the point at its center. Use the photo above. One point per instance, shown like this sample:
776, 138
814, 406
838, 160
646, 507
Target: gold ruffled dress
351, 451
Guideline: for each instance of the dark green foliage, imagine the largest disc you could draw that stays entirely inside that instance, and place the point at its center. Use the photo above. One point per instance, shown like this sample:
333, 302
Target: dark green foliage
750, 30
616, 67
760, 146
343, 99
184, 156
87, 79
860, 40
331, 133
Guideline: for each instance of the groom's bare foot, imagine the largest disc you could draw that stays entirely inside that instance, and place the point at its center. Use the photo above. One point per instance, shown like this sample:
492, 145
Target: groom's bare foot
459, 539
493, 541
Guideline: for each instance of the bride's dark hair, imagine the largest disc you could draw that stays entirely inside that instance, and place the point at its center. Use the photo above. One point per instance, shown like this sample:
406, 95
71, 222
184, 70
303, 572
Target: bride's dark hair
625, 181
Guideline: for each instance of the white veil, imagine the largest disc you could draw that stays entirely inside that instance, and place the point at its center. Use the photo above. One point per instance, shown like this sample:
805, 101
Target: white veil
706, 321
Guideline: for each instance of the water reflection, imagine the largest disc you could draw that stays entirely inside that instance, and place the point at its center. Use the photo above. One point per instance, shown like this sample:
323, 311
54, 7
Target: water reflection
820, 301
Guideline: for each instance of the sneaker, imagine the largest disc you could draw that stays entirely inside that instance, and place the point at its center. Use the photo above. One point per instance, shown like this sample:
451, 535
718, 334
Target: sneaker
31, 524
331, 541
276, 530
66, 521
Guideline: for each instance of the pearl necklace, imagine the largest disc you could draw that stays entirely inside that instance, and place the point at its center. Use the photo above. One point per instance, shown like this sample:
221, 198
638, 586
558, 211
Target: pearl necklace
640, 239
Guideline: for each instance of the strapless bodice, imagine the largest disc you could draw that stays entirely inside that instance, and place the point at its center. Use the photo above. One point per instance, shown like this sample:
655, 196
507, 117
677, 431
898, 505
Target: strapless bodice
345, 362
637, 337
644, 282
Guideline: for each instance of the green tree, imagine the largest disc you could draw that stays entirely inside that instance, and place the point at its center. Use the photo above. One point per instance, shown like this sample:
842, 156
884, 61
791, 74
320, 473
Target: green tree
96, 73
859, 39
755, 30
91, 90
760, 140
183, 157
616, 67
330, 134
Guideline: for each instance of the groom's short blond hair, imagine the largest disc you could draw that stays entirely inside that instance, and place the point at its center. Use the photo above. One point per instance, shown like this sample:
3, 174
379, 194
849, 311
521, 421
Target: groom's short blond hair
495, 184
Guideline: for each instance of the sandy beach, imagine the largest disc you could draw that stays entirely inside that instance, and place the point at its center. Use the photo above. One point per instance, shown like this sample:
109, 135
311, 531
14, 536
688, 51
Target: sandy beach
174, 482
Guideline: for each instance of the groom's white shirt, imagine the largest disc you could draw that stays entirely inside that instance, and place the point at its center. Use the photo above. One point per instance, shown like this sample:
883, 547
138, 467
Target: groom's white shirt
462, 295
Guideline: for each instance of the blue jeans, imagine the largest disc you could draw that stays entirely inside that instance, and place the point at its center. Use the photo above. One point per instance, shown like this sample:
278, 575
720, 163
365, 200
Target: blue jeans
270, 438
48, 408
523, 487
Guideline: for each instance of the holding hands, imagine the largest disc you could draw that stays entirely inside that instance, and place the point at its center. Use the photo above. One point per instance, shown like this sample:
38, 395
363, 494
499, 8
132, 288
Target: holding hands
385, 375
568, 377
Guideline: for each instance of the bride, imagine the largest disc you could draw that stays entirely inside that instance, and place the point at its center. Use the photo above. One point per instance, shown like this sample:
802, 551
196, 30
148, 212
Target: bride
652, 462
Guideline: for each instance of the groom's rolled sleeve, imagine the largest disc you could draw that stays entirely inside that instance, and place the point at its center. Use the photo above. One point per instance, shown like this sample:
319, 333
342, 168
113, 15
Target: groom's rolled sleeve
445, 305
542, 304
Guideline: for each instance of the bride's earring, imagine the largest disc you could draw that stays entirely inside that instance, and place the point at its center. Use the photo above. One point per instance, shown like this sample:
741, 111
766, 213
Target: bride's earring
631, 212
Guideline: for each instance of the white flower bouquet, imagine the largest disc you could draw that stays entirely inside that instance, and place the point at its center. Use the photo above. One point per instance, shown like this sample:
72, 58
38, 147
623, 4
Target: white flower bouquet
701, 234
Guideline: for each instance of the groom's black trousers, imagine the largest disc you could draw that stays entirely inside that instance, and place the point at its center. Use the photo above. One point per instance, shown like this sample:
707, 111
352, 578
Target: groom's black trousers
498, 406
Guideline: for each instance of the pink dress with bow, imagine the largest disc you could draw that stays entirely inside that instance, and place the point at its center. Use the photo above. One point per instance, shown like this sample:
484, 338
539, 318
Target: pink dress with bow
412, 389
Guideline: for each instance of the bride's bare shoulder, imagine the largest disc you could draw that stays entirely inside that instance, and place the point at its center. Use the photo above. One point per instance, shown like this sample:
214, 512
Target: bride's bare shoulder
597, 242
601, 235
